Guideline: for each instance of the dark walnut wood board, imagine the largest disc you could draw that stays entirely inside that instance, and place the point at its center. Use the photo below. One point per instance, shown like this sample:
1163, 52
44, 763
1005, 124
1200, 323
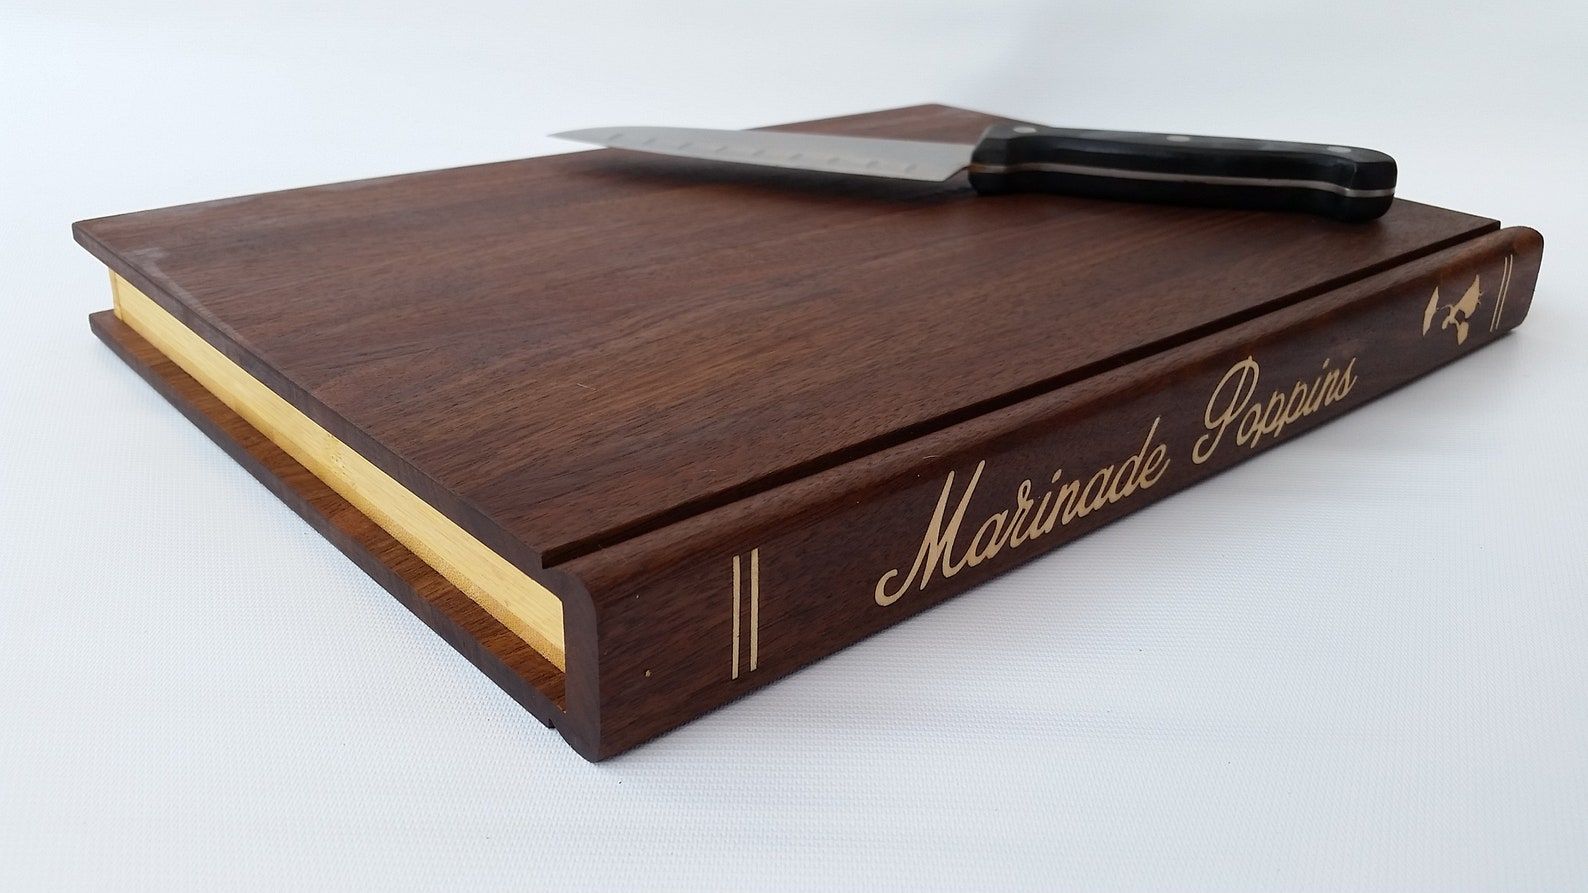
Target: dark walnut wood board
643, 380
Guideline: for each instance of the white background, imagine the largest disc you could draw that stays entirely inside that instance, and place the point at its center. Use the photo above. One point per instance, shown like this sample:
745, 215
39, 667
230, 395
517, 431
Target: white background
1359, 662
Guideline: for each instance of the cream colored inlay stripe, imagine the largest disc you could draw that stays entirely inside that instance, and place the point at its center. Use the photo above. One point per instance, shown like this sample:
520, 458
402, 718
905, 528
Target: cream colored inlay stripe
520, 603
1505, 287
755, 606
755, 609
735, 617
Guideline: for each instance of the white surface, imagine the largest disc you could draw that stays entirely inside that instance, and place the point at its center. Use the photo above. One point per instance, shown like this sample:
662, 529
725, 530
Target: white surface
1359, 662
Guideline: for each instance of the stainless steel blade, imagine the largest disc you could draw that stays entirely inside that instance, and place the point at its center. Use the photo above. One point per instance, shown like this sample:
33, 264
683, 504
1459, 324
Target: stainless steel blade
898, 159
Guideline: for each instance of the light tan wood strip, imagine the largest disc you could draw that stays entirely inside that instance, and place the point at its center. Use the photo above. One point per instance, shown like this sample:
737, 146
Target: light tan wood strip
515, 599
735, 617
755, 607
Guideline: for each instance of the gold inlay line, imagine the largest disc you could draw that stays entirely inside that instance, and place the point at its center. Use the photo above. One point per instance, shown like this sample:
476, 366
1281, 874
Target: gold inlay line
755, 605
735, 617
1505, 287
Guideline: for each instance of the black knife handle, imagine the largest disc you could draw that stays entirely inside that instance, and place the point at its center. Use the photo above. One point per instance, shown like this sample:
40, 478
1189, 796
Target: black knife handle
1344, 182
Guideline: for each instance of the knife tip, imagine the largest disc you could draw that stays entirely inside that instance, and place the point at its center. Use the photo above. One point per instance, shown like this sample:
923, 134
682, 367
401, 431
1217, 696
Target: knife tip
583, 136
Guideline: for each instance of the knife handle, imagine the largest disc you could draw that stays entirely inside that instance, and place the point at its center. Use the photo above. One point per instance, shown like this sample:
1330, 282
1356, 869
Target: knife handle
1343, 182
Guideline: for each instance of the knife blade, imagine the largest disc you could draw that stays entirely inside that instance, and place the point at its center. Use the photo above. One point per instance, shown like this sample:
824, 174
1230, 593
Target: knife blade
1344, 182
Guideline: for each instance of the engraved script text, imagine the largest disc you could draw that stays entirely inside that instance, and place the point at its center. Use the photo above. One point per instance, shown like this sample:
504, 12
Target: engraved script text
1026, 520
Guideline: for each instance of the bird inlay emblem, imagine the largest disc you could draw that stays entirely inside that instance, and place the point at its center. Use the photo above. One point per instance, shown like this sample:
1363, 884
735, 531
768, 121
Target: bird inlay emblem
1456, 314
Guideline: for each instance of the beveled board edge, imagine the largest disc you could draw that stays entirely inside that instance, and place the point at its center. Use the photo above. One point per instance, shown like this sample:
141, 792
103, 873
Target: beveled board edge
224, 339
519, 670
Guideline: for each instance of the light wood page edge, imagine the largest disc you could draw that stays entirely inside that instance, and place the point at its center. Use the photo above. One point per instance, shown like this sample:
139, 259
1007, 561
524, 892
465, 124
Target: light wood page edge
516, 600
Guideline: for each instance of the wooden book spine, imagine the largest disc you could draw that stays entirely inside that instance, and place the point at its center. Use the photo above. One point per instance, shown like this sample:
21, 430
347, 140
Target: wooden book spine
695, 614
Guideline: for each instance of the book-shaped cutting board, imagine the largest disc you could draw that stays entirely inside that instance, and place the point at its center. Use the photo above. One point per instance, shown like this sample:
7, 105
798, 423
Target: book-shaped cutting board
639, 435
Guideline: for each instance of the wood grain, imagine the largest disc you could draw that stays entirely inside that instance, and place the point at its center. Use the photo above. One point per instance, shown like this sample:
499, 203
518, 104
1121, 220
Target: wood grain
825, 542
711, 409
560, 353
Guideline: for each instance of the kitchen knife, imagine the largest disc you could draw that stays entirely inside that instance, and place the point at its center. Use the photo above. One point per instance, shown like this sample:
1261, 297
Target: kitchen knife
1343, 182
